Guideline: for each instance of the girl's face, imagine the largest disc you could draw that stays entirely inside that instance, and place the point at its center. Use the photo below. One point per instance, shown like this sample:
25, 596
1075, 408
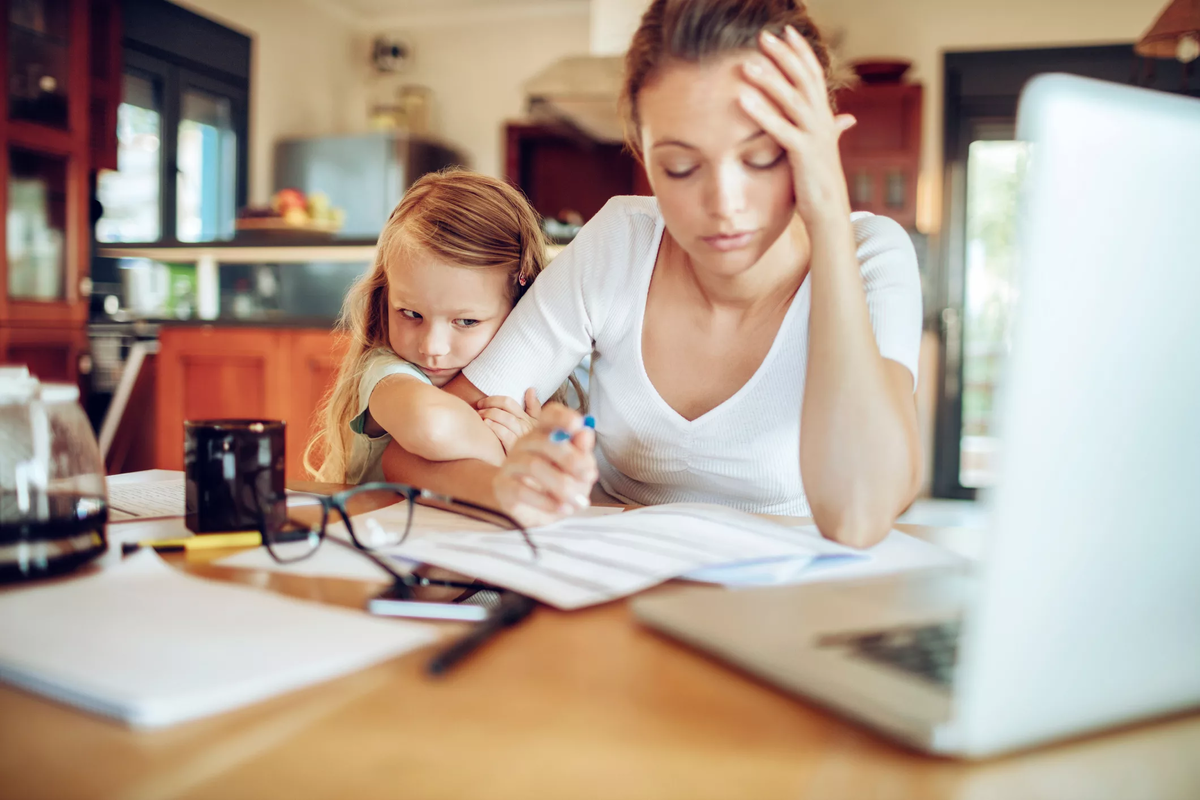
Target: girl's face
441, 316
724, 186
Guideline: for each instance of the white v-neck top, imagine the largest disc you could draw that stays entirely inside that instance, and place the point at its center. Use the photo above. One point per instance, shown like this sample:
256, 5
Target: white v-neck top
745, 453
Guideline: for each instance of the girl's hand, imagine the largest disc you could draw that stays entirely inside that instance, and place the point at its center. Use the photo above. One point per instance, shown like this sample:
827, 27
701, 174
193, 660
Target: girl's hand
550, 471
506, 419
786, 94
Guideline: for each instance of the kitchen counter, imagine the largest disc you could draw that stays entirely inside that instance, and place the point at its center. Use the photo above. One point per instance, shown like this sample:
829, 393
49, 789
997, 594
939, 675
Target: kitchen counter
209, 256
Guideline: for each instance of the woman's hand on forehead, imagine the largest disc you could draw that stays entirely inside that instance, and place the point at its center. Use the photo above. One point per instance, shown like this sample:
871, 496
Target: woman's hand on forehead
786, 94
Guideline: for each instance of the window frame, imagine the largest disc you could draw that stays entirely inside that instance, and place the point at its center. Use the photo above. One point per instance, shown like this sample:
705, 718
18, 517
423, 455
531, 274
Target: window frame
981, 90
172, 80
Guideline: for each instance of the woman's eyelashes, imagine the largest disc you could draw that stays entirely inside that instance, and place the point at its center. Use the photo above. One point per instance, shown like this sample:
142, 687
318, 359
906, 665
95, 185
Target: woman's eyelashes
459, 323
758, 162
766, 161
678, 172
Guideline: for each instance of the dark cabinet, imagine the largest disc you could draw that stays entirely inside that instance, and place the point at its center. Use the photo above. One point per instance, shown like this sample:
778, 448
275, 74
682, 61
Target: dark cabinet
563, 172
881, 155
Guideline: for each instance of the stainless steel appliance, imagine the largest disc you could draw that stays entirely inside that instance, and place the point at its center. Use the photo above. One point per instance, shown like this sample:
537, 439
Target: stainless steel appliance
366, 175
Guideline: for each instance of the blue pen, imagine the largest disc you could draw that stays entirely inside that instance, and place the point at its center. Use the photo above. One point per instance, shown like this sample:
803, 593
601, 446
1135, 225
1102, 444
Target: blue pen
562, 436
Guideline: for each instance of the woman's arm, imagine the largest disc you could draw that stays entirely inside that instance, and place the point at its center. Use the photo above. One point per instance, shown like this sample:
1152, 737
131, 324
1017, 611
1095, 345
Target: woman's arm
859, 446
859, 449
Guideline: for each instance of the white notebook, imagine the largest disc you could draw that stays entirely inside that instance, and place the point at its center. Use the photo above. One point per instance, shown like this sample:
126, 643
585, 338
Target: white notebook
150, 645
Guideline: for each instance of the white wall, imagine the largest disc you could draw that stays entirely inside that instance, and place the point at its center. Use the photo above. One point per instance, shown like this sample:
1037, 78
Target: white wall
303, 80
613, 25
311, 74
922, 30
477, 68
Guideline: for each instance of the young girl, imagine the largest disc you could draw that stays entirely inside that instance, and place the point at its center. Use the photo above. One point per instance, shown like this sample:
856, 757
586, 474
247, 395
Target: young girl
453, 259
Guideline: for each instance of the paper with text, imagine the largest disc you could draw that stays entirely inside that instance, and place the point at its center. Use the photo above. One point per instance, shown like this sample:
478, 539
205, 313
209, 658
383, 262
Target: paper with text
163, 497
583, 562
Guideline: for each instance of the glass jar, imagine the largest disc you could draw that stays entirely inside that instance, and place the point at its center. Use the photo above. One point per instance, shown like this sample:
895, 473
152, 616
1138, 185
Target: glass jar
53, 506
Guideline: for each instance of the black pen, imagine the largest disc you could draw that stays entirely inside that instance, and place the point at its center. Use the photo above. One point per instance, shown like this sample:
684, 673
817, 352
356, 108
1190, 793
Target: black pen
513, 608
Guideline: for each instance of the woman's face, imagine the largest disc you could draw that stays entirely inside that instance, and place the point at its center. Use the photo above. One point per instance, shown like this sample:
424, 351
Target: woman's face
724, 186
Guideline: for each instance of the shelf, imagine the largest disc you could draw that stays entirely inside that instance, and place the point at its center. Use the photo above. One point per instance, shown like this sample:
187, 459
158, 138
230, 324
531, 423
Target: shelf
46, 38
243, 254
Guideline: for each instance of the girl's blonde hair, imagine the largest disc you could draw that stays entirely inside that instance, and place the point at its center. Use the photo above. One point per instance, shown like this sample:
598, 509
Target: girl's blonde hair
458, 217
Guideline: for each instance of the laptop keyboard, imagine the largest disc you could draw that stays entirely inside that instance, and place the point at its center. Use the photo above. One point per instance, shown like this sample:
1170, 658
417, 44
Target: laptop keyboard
928, 651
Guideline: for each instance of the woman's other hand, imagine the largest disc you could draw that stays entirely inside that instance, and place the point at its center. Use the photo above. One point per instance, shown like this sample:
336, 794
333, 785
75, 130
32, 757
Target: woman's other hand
505, 417
787, 95
549, 471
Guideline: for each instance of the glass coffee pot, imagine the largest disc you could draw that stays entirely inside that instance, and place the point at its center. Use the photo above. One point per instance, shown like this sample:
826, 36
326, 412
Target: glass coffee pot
53, 506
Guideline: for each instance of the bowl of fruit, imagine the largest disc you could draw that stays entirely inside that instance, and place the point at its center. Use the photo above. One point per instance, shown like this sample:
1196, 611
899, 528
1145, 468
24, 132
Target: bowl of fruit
291, 213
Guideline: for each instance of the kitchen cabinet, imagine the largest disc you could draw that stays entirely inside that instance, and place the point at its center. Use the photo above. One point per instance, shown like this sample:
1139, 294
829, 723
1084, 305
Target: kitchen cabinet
561, 170
213, 372
56, 355
60, 71
881, 155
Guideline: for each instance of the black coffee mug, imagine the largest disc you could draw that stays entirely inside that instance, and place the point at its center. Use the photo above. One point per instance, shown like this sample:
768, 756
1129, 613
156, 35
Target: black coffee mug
234, 469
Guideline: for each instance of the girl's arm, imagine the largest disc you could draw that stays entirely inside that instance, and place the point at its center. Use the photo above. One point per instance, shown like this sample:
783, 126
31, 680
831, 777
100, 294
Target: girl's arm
859, 447
430, 423
563, 472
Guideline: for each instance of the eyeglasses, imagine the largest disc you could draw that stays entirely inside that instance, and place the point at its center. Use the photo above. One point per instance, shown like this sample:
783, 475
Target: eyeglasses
290, 539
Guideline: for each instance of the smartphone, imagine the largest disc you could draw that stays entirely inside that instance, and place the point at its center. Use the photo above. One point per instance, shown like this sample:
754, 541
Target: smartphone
467, 605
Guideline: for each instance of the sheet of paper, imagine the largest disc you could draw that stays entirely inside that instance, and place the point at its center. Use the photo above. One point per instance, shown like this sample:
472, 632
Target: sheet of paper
898, 552
147, 644
587, 561
161, 494
329, 561
332, 561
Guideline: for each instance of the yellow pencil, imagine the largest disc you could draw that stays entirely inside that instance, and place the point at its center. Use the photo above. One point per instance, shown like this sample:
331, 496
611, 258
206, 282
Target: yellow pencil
205, 541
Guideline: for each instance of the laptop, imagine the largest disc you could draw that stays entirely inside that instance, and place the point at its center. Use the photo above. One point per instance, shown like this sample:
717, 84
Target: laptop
1085, 611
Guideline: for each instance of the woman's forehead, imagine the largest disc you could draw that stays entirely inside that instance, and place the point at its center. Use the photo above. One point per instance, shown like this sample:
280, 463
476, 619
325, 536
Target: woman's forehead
696, 102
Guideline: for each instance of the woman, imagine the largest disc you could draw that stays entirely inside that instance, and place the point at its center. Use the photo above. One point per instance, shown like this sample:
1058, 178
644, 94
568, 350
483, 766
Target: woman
753, 344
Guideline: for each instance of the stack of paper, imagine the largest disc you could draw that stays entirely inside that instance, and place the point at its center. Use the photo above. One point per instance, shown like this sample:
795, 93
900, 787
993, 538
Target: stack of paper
147, 644
582, 562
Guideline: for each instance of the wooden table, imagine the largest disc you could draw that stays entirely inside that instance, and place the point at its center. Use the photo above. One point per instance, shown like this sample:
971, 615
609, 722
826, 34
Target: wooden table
568, 705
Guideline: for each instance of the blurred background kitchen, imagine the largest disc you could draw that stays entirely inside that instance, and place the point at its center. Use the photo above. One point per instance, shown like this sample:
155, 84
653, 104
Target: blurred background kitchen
190, 187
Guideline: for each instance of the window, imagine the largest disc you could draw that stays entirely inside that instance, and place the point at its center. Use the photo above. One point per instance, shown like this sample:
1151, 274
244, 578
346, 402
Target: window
206, 155
181, 129
132, 195
994, 172
976, 275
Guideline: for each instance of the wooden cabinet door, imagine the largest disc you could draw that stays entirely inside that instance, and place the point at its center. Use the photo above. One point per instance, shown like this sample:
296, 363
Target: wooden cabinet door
53, 355
217, 373
211, 372
881, 155
315, 357
44, 163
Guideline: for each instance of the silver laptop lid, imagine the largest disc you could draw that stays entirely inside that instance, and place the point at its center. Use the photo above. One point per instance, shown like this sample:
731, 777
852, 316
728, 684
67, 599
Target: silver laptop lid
1089, 613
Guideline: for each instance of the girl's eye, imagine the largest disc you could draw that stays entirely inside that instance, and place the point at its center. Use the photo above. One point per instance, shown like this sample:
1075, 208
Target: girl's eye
466, 323
404, 312
765, 161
